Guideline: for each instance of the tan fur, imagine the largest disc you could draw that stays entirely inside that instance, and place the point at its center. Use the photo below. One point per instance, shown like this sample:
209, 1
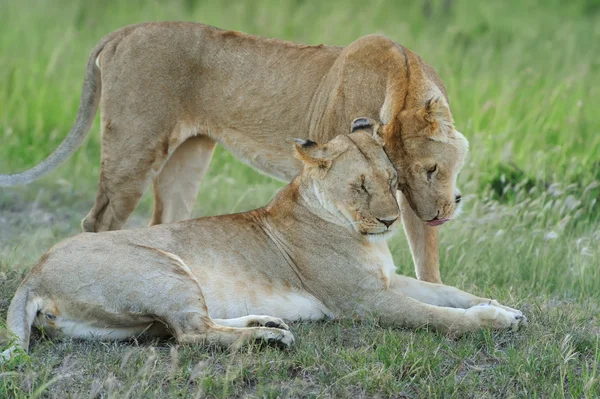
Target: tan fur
170, 90
316, 250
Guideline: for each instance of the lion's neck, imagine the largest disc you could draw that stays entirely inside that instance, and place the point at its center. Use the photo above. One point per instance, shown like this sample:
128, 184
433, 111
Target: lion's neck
327, 255
299, 206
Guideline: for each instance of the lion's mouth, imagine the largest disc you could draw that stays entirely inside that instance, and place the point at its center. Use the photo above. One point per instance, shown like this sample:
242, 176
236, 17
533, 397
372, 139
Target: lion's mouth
437, 222
379, 236
380, 233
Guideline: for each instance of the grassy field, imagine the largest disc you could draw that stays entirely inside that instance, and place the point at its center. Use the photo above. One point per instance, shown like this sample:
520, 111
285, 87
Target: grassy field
524, 84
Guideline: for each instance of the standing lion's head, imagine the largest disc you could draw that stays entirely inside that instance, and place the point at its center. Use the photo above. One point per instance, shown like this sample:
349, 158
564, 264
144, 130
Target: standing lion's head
427, 152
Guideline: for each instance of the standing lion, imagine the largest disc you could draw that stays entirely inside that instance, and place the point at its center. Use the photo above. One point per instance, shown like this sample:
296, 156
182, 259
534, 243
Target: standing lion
170, 91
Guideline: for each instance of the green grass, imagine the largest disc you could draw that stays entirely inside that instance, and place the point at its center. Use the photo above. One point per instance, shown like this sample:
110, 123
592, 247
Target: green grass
524, 84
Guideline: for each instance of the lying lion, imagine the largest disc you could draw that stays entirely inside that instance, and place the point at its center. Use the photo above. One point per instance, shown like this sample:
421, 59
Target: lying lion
317, 250
170, 91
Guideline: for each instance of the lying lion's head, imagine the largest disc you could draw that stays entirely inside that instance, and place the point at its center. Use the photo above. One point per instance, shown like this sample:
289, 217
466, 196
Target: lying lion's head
353, 181
428, 153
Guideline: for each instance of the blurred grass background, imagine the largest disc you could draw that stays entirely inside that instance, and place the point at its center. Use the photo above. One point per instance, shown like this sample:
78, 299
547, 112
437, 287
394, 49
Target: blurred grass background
523, 77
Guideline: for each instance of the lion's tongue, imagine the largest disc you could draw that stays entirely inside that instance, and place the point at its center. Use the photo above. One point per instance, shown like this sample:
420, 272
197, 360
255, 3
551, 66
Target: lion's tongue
437, 222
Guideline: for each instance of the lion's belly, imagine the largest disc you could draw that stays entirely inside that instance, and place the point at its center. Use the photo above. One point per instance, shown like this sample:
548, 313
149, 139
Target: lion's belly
271, 155
238, 297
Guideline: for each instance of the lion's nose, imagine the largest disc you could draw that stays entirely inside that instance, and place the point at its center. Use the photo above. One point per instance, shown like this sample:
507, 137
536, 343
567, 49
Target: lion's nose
387, 222
457, 198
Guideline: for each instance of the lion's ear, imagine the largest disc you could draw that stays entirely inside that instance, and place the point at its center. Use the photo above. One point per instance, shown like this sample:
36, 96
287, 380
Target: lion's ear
369, 125
312, 154
362, 124
316, 157
437, 114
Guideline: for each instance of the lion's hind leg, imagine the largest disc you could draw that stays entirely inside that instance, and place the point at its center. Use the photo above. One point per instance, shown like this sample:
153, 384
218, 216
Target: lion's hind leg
176, 187
133, 154
196, 327
183, 310
253, 321
230, 336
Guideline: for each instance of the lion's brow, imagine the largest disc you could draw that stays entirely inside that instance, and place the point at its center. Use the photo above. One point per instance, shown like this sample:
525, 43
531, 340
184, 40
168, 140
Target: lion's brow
358, 148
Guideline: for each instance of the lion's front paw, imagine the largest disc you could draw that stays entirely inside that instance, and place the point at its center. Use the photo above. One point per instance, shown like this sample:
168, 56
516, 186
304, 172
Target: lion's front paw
267, 321
493, 302
281, 338
498, 317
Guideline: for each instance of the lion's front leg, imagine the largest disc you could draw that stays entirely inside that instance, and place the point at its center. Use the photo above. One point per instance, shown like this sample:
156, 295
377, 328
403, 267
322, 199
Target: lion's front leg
440, 294
399, 310
423, 242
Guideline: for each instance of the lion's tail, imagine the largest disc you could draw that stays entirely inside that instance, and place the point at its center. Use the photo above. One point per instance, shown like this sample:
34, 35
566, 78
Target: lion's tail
21, 315
88, 106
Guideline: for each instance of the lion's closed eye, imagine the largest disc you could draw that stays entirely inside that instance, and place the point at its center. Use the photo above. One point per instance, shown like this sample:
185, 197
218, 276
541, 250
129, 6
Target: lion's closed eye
431, 171
364, 188
361, 186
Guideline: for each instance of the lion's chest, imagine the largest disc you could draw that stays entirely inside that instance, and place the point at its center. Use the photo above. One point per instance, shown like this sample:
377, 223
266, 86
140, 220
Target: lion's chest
376, 267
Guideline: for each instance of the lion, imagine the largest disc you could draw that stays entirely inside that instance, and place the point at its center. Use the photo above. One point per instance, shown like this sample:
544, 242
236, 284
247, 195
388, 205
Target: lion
316, 250
170, 91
